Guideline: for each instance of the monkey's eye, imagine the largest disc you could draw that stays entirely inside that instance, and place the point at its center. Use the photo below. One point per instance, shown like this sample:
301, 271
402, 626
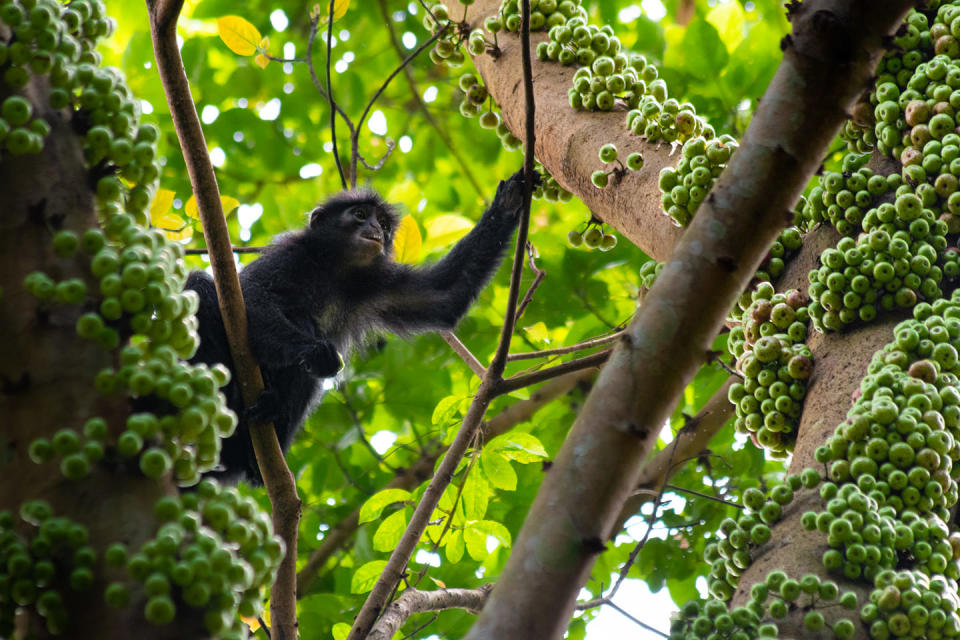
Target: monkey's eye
359, 212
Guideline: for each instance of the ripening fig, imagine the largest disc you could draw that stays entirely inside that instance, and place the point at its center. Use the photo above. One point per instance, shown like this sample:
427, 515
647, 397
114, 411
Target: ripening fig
608, 152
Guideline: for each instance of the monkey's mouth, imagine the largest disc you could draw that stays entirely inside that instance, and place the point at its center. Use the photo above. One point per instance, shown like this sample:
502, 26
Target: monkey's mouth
372, 238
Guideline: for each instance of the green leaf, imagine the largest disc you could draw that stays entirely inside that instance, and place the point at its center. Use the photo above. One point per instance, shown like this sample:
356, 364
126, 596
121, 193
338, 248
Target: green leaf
366, 576
390, 531
379, 501
497, 470
476, 495
476, 542
454, 546
340, 631
704, 51
495, 529
447, 409
518, 446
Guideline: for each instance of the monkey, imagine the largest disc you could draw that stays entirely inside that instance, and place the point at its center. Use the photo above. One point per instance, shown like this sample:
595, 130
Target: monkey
317, 293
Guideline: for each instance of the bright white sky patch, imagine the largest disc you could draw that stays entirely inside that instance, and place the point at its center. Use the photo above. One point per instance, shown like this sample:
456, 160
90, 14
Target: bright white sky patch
328, 146
341, 66
348, 57
382, 441
289, 50
278, 20
378, 123
209, 114
271, 110
409, 40
344, 35
425, 557
430, 94
654, 9
406, 143
629, 14
145, 107
217, 157
247, 214
412, 9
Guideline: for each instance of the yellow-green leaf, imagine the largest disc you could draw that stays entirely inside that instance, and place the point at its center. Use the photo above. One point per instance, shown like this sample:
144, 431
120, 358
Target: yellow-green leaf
340, 631
407, 241
497, 469
390, 531
227, 203
379, 501
538, 332
239, 35
366, 576
495, 529
261, 60
322, 9
476, 544
161, 205
454, 546
518, 446
446, 229
476, 495
729, 19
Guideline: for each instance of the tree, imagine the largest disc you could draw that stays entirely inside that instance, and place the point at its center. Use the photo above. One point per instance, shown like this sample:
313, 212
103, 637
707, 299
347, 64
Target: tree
97, 538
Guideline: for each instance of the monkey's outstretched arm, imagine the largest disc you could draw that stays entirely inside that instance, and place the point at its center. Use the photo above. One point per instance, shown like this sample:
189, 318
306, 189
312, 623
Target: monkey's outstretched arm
436, 297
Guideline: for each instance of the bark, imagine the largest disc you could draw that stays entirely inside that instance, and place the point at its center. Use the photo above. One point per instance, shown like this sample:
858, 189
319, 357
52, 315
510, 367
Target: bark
828, 59
47, 371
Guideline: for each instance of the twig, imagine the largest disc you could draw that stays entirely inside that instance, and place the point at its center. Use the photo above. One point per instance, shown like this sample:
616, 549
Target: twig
355, 138
526, 379
546, 353
699, 494
540, 275
637, 621
204, 251
379, 165
465, 354
314, 23
415, 94
333, 113
276, 475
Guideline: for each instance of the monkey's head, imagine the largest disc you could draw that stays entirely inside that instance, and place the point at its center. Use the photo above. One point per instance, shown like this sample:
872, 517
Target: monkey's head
360, 221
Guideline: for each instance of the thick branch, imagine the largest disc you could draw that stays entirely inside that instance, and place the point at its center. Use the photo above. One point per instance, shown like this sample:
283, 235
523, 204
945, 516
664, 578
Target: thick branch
277, 477
827, 61
414, 601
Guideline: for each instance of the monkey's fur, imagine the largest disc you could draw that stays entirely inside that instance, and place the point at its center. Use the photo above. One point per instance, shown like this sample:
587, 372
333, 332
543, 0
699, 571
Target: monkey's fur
316, 293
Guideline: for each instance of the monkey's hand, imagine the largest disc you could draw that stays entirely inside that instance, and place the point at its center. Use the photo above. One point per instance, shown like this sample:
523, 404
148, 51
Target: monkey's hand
322, 360
266, 409
509, 198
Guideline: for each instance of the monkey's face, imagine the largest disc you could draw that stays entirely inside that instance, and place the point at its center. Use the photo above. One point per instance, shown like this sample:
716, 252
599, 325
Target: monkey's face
367, 231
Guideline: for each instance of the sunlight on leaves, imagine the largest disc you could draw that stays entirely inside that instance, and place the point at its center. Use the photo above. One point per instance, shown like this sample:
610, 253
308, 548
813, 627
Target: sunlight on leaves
227, 203
446, 229
261, 60
407, 241
366, 576
239, 35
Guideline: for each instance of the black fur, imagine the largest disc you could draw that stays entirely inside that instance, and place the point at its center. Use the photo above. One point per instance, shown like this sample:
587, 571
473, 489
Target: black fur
319, 292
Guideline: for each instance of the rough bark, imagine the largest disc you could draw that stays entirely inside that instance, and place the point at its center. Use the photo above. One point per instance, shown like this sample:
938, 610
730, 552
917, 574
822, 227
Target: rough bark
828, 59
46, 374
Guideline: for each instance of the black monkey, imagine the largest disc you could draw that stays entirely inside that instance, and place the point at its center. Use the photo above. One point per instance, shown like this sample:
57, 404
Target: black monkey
317, 292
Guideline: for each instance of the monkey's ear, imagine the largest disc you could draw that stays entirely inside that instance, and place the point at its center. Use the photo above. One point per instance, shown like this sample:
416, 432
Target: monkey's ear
317, 216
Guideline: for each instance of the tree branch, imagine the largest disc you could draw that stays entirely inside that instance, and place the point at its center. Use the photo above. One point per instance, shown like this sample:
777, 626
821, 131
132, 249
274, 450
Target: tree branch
415, 601
276, 475
827, 61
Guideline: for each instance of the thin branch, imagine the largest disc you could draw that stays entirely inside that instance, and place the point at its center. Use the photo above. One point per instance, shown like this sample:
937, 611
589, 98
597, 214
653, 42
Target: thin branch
279, 482
205, 251
464, 352
392, 573
559, 351
330, 99
540, 275
637, 621
427, 115
700, 494
314, 23
355, 139
379, 165
526, 379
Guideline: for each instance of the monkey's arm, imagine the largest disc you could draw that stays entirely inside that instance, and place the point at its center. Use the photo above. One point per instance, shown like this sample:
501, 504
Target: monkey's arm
277, 341
436, 297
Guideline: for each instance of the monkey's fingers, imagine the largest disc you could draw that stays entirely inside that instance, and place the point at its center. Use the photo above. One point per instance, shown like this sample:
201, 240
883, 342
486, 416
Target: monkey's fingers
265, 410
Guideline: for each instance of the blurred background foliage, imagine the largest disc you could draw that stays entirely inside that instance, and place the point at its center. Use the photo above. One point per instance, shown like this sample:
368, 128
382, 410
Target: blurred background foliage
400, 398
